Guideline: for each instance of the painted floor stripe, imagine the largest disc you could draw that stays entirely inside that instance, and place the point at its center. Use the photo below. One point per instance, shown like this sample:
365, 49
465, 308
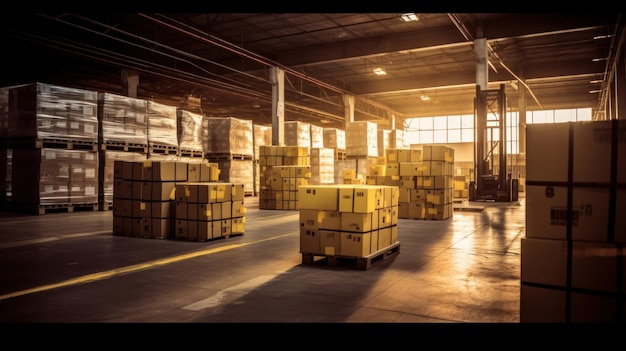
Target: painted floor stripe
129, 269
51, 238
216, 299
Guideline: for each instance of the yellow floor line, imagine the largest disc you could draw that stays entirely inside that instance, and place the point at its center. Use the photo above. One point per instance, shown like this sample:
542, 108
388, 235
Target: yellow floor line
129, 269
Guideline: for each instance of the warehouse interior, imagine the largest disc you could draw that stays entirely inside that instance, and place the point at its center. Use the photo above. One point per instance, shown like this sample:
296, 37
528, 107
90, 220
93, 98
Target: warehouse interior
191, 167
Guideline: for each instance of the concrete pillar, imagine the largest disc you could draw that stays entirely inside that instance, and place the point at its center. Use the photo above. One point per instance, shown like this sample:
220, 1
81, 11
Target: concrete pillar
620, 88
277, 76
482, 66
348, 105
130, 81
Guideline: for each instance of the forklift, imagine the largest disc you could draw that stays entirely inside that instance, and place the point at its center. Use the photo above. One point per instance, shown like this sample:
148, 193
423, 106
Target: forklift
491, 181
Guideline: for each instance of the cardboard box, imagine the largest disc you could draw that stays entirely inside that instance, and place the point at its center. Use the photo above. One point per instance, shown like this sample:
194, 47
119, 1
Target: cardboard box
356, 244
546, 213
321, 197
330, 242
359, 222
331, 220
309, 240
547, 166
593, 265
161, 228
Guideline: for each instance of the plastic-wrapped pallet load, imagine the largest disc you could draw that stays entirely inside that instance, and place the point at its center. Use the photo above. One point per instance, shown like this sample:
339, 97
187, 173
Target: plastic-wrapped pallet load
47, 111
123, 119
190, 131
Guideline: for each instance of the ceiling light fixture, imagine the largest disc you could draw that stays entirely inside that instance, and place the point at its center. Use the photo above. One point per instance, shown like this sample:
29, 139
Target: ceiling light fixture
599, 59
380, 71
602, 36
425, 98
594, 91
596, 81
409, 17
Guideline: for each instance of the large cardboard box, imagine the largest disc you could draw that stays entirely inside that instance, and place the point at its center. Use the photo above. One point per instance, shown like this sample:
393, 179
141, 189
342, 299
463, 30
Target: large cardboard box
593, 265
309, 241
359, 222
547, 215
356, 244
330, 242
321, 197
547, 152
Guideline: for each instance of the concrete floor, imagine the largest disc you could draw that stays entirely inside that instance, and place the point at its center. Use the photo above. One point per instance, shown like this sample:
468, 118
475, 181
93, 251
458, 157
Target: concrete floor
69, 268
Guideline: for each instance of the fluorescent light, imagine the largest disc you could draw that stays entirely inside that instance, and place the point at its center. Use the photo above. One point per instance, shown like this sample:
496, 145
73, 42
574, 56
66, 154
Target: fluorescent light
602, 36
380, 71
596, 81
599, 59
594, 91
425, 97
409, 17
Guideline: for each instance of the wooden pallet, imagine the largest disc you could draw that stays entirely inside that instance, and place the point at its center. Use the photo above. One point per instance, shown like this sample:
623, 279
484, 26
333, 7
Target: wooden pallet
41, 209
162, 149
191, 153
361, 263
57, 143
124, 146
225, 156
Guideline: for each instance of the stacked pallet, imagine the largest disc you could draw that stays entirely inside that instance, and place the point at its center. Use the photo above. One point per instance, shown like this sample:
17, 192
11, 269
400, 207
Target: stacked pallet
144, 192
228, 141
336, 139
282, 170
54, 140
297, 134
190, 133
351, 221
572, 266
322, 166
426, 187
209, 210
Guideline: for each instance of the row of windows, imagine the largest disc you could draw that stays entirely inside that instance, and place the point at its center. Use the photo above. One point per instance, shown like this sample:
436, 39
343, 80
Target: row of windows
460, 129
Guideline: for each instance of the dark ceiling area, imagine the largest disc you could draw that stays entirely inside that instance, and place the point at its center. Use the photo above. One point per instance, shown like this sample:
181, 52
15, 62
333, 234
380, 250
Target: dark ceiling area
220, 64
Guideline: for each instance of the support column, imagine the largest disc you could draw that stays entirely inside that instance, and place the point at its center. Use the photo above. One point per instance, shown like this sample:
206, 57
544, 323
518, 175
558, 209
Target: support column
482, 66
277, 76
620, 77
348, 109
130, 81
522, 103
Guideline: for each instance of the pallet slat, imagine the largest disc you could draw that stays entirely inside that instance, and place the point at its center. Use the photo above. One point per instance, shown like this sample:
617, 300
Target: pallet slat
360, 263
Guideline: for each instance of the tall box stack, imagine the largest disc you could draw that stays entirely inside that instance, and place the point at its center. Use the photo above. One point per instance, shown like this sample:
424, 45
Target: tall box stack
229, 142
283, 170
297, 134
209, 210
572, 266
106, 178
322, 166
46, 111
190, 133
347, 220
123, 120
317, 136
143, 194
262, 136
426, 186
162, 128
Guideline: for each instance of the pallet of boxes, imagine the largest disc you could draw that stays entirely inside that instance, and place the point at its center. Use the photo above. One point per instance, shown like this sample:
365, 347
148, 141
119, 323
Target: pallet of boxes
354, 225
175, 199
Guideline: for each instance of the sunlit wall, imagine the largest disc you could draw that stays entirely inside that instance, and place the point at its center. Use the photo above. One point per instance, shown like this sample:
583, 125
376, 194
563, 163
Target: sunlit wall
460, 128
